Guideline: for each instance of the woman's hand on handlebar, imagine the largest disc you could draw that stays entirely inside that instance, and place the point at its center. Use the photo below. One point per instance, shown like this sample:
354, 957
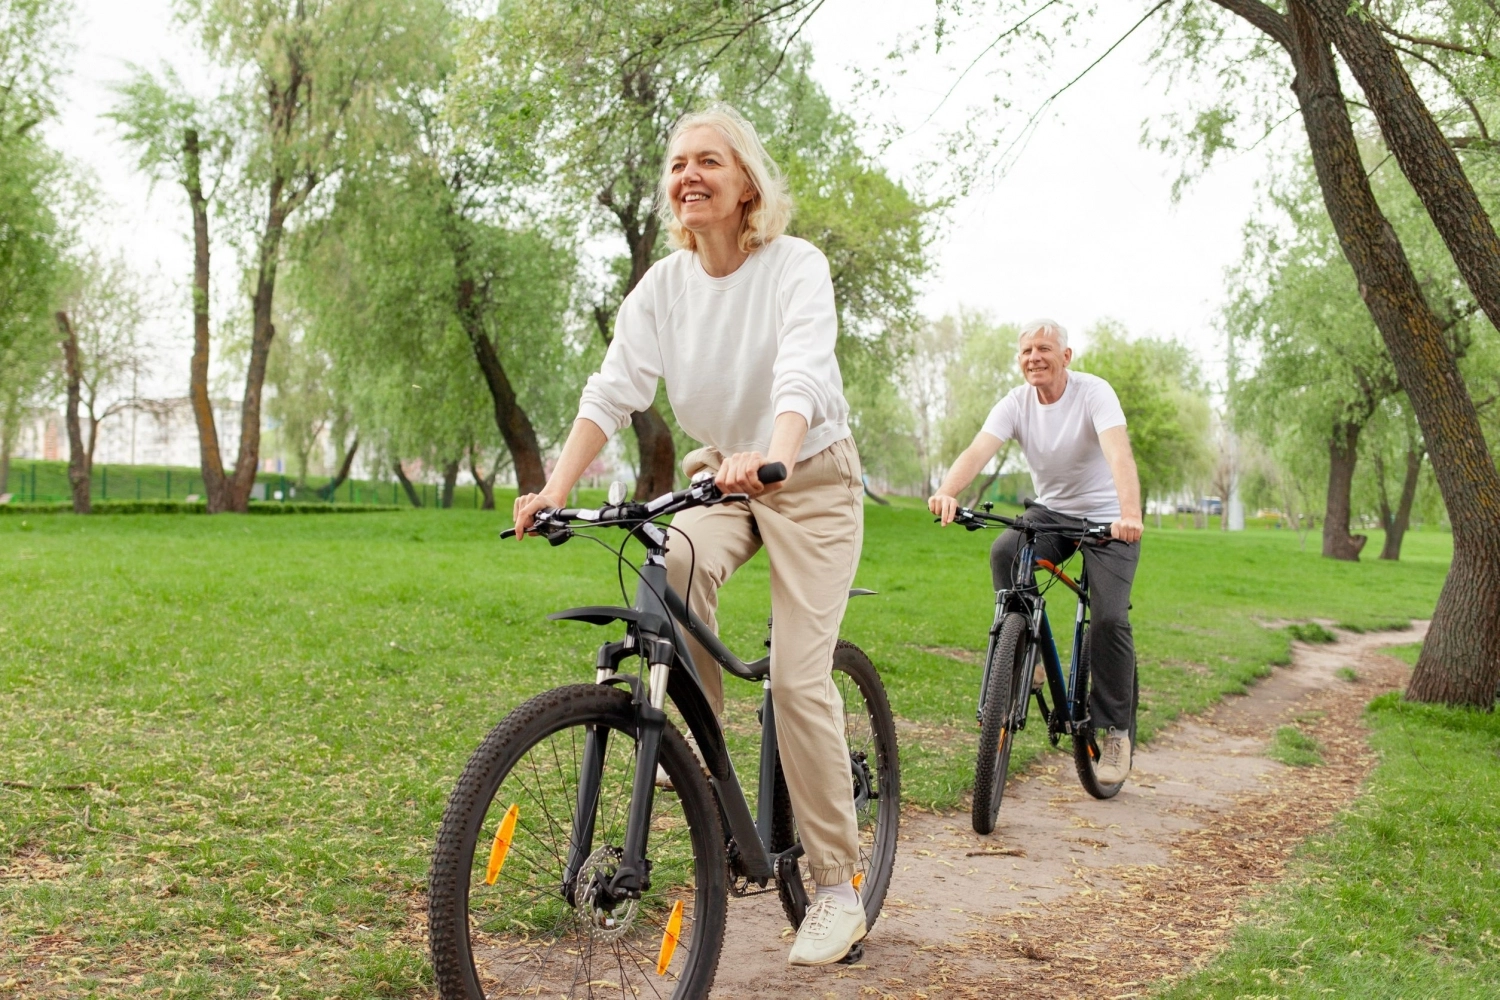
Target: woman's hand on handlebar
527, 507
737, 474
1126, 529
944, 506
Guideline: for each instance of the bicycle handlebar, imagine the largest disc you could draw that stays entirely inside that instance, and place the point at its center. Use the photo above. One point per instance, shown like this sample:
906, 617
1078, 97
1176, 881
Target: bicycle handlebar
974, 520
553, 523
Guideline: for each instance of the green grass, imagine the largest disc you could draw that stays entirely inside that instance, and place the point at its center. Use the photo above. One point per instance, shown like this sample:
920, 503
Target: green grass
1295, 748
265, 715
1312, 632
1402, 898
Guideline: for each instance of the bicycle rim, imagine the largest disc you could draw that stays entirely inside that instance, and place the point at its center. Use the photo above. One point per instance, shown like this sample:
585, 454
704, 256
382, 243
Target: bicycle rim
504, 920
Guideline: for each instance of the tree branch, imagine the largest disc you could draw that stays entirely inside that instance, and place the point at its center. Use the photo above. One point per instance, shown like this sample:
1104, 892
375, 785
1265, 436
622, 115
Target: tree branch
1263, 17
1436, 43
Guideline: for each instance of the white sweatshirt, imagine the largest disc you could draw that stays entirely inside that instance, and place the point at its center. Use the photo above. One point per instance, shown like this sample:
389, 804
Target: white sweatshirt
737, 352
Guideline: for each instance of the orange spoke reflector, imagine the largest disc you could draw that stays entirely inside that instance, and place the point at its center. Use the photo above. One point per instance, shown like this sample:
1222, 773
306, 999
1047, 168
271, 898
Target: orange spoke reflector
669, 939
502, 844
858, 878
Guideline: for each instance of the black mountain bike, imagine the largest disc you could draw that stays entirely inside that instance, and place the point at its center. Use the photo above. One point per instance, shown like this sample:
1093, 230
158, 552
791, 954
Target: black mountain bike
1020, 634
561, 869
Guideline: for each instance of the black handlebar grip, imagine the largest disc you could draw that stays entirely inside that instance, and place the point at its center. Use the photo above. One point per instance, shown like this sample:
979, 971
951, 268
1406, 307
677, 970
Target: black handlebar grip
508, 533
771, 472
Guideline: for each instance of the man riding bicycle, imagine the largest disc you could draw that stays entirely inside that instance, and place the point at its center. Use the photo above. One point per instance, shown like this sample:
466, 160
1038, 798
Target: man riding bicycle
740, 323
1072, 431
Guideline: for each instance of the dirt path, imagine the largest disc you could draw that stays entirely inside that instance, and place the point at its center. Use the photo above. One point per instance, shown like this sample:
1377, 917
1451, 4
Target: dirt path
1072, 896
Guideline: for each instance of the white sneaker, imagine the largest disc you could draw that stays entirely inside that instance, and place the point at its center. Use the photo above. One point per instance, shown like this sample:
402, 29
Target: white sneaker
1114, 757
827, 933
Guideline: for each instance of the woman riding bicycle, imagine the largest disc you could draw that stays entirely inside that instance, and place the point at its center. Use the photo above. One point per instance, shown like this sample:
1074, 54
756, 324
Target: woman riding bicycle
740, 322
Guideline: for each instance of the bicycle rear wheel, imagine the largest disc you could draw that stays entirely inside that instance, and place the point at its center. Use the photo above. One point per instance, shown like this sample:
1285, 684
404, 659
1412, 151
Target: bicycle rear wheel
1003, 691
507, 921
875, 770
1085, 743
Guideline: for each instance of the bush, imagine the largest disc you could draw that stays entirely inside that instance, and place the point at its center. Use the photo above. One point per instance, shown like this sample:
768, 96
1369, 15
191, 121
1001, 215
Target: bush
196, 507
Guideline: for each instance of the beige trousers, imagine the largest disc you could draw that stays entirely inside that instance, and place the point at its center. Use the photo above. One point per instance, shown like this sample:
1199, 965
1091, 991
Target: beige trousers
812, 530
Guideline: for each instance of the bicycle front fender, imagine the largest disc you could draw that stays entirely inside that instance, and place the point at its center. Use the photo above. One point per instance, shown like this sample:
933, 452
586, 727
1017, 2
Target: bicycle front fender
699, 716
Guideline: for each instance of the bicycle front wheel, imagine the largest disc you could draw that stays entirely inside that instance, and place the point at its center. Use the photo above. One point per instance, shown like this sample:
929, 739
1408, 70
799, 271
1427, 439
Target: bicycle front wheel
1003, 691
508, 918
875, 772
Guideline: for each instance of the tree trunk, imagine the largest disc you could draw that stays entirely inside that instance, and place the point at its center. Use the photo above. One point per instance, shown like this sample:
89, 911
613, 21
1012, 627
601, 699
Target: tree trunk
329, 491
8, 432
1460, 660
262, 333
1343, 451
411, 491
514, 425
486, 484
450, 483
1426, 157
658, 465
1396, 532
210, 460
78, 460
658, 454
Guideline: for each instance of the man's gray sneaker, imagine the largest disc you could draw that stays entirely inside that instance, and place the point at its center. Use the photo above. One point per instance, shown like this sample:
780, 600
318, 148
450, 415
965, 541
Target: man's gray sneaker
1114, 757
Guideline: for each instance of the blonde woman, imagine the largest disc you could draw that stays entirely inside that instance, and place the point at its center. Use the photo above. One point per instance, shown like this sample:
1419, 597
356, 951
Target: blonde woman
740, 322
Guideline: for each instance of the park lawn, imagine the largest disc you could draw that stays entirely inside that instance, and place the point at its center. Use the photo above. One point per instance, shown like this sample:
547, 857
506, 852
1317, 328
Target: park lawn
1401, 897
227, 742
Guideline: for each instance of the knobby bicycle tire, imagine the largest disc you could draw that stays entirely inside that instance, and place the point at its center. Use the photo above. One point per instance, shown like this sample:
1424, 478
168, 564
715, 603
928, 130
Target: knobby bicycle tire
996, 729
452, 932
1083, 756
880, 825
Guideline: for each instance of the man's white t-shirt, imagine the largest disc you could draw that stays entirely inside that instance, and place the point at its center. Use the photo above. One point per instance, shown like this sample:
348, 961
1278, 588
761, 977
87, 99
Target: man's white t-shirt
1061, 444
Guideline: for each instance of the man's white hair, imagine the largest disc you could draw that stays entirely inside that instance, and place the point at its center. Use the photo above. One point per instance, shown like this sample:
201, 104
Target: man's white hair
1049, 327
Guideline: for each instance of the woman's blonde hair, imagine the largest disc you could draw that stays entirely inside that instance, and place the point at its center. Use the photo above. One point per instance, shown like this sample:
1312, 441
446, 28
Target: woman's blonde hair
769, 210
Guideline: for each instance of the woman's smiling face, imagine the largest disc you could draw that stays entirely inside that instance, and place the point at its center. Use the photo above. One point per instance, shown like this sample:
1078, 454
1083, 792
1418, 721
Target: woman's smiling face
706, 186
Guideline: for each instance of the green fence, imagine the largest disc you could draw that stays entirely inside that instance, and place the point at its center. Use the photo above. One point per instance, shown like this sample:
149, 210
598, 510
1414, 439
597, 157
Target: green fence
34, 481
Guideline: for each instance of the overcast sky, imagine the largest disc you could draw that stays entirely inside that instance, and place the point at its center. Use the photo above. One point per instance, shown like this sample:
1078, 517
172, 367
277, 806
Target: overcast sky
1081, 228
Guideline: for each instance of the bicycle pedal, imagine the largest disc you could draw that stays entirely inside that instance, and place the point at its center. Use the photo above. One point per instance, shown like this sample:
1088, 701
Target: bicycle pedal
856, 954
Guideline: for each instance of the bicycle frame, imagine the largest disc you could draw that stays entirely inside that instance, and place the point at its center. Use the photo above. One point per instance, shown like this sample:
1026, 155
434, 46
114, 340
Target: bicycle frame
654, 632
1025, 598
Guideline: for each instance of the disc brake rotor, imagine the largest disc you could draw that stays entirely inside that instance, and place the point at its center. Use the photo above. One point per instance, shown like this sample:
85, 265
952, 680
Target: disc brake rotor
602, 924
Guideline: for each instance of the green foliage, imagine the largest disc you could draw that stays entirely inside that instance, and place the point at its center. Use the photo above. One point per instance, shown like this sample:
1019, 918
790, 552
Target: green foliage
1295, 748
1165, 404
194, 507
1402, 897
1310, 632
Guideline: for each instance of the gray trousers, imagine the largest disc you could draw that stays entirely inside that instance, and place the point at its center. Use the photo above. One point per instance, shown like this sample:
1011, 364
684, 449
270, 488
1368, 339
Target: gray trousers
1111, 571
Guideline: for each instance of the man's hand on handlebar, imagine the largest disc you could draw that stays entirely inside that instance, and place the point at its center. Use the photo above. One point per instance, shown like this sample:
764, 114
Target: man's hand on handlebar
945, 507
527, 507
739, 474
1127, 529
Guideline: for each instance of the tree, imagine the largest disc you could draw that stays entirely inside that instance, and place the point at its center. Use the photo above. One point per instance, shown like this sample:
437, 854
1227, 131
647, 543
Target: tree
422, 334
107, 308
1165, 401
302, 402
313, 82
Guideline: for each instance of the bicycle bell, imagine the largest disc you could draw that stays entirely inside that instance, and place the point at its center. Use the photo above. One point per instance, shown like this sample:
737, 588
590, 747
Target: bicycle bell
616, 492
